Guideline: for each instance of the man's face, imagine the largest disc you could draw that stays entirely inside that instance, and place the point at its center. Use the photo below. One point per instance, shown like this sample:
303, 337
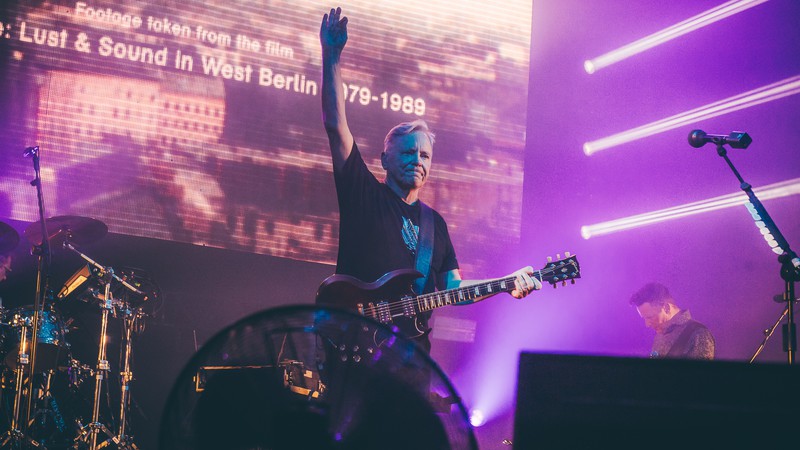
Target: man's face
654, 316
408, 161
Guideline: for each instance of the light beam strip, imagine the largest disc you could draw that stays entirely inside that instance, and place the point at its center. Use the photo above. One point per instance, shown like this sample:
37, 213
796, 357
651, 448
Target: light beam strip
667, 34
777, 190
768, 93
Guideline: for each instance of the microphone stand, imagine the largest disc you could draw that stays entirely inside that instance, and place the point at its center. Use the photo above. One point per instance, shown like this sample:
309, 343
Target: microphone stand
790, 263
42, 273
17, 432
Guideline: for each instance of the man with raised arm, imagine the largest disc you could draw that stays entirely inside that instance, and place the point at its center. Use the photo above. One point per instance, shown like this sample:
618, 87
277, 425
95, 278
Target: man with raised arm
380, 222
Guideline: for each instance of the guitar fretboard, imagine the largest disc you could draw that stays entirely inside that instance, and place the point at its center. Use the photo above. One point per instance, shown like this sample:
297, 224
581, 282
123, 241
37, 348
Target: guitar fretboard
427, 302
385, 310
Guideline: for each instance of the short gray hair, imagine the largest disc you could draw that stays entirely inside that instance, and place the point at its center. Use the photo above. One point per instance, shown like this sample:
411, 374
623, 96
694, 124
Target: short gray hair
405, 128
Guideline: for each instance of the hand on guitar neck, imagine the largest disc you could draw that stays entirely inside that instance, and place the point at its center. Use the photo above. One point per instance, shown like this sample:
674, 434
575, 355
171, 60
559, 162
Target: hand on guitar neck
390, 297
524, 283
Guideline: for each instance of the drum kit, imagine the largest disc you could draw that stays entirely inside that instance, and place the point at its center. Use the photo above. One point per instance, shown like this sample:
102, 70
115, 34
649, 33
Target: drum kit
43, 397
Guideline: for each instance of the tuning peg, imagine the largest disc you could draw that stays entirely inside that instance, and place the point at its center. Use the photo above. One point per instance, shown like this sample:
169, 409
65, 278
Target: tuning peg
558, 255
567, 254
572, 281
549, 259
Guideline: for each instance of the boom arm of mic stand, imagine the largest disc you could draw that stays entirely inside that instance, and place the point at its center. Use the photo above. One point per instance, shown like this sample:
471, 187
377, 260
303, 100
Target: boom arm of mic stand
104, 269
790, 264
791, 269
760, 214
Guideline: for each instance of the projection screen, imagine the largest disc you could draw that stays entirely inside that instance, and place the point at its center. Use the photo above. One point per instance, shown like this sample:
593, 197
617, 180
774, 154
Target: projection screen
199, 121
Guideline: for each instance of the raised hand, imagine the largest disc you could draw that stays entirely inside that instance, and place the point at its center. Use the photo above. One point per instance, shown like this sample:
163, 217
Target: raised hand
333, 30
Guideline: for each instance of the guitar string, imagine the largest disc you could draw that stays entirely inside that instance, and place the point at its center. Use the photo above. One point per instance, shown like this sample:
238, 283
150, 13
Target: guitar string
399, 306
375, 310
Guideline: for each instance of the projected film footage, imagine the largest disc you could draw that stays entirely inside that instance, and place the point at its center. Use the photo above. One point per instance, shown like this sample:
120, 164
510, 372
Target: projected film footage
199, 121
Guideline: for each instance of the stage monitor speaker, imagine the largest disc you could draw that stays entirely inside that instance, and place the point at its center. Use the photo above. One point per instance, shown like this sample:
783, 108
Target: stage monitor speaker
585, 402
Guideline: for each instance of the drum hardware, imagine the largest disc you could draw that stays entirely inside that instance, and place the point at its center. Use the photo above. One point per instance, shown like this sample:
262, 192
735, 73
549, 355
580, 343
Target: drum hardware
88, 433
129, 319
300, 380
78, 229
68, 230
77, 373
73, 230
15, 433
53, 348
49, 409
17, 340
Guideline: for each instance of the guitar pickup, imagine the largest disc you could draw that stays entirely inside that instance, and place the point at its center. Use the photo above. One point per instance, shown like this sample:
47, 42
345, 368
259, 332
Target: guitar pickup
382, 313
408, 306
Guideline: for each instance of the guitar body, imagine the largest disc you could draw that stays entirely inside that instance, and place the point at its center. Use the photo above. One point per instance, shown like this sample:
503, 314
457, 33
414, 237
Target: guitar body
348, 292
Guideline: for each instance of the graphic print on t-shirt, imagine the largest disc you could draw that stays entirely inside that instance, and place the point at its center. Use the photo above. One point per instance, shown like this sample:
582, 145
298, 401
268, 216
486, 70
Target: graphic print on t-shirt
410, 233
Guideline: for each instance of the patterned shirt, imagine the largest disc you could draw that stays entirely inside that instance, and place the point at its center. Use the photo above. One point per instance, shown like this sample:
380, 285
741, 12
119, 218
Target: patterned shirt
698, 343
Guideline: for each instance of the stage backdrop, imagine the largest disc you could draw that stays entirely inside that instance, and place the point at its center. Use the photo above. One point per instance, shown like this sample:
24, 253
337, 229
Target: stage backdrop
199, 121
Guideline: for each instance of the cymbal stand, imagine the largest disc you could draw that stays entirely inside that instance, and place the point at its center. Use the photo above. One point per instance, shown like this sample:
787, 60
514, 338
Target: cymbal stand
89, 431
121, 440
14, 433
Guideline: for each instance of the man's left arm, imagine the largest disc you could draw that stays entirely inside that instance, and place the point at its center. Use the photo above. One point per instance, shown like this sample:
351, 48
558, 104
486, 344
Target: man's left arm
524, 283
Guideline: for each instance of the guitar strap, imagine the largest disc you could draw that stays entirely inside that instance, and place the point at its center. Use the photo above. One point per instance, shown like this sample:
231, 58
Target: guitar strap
424, 246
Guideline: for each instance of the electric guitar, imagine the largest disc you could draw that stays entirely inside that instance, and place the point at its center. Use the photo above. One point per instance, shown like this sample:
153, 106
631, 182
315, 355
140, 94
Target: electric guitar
390, 298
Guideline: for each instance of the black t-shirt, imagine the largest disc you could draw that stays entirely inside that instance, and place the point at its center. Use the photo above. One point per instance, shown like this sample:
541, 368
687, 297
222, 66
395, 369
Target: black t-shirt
372, 241
376, 228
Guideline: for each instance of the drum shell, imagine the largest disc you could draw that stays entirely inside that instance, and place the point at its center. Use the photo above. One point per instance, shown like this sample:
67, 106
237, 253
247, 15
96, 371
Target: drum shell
52, 349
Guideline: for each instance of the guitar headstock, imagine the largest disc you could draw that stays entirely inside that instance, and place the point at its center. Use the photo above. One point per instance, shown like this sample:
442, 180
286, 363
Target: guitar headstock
561, 270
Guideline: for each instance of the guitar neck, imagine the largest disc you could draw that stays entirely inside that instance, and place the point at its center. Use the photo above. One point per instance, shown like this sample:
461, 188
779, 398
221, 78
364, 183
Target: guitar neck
428, 302
384, 310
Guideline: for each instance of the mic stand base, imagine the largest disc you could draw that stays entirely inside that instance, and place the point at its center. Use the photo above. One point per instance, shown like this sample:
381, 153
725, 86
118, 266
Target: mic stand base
13, 439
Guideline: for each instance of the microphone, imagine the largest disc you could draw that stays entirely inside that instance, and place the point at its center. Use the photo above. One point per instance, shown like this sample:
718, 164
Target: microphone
31, 151
737, 139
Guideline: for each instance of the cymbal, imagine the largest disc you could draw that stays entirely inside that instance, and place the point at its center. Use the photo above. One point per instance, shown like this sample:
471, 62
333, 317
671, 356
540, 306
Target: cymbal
75, 229
9, 238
